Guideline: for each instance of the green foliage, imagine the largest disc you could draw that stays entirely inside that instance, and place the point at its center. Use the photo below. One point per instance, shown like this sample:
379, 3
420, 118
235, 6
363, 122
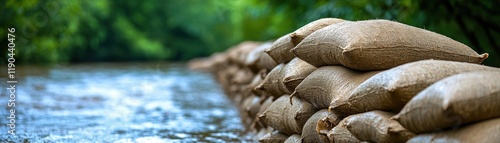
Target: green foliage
55, 31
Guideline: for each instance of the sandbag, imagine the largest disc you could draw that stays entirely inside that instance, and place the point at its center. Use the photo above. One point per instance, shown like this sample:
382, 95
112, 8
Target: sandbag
265, 103
392, 89
326, 83
253, 107
257, 59
238, 53
309, 132
257, 80
294, 72
482, 132
456, 100
262, 132
295, 138
274, 137
304, 31
378, 45
242, 76
273, 82
340, 134
286, 118
376, 126
280, 50
325, 124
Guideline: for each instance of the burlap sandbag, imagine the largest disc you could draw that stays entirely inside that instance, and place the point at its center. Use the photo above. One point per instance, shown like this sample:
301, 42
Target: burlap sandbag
238, 53
262, 132
280, 50
257, 59
286, 118
482, 132
453, 101
340, 134
273, 83
295, 71
376, 126
309, 132
326, 83
379, 44
295, 138
274, 137
325, 124
264, 104
392, 89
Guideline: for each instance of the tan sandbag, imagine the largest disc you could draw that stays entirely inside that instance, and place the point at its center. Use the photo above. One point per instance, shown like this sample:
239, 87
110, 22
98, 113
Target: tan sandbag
280, 50
238, 53
295, 138
376, 126
286, 118
264, 104
242, 76
340, 134
274, 137
325, 124
304, 31
273, 83
392, 89
482, 132
295, 71
326, 83
211, 64
456, 100
379, 44
257, 79
262, 132
257, 59
309, 132
253, 107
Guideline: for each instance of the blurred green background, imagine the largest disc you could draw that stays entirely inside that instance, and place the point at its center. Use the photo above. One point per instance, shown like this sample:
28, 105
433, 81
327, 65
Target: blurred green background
60, 31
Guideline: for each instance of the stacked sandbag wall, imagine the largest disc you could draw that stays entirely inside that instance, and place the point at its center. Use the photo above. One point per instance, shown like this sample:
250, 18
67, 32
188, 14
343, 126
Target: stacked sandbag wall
334, 80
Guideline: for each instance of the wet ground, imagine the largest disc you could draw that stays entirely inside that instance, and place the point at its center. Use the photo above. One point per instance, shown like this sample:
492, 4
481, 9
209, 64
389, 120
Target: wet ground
119, 102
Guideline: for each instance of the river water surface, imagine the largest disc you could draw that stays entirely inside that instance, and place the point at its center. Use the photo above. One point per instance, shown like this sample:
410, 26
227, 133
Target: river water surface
119, 102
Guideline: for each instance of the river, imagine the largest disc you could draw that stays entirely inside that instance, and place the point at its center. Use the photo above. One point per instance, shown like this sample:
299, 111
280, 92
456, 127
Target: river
119, 102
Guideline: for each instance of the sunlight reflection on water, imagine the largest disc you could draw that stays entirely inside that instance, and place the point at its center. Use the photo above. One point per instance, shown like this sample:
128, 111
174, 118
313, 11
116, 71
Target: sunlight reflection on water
125, 102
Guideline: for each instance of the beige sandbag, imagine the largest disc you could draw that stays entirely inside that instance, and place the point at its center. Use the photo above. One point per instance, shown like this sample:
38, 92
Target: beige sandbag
257, 80
286, 118
262, 132
482, 132
376, 126
296, 71
265, 103
326, 83
280, 50
238, 53
295, 138
273, 83
453, 101
325, 124
253, 107
304, 31
340, 134
257, 59
309, 132
392, 89
274, 137
242, 76
379, 44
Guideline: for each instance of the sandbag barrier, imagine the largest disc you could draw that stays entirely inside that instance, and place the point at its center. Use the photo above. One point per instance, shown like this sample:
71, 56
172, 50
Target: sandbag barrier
334, 80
